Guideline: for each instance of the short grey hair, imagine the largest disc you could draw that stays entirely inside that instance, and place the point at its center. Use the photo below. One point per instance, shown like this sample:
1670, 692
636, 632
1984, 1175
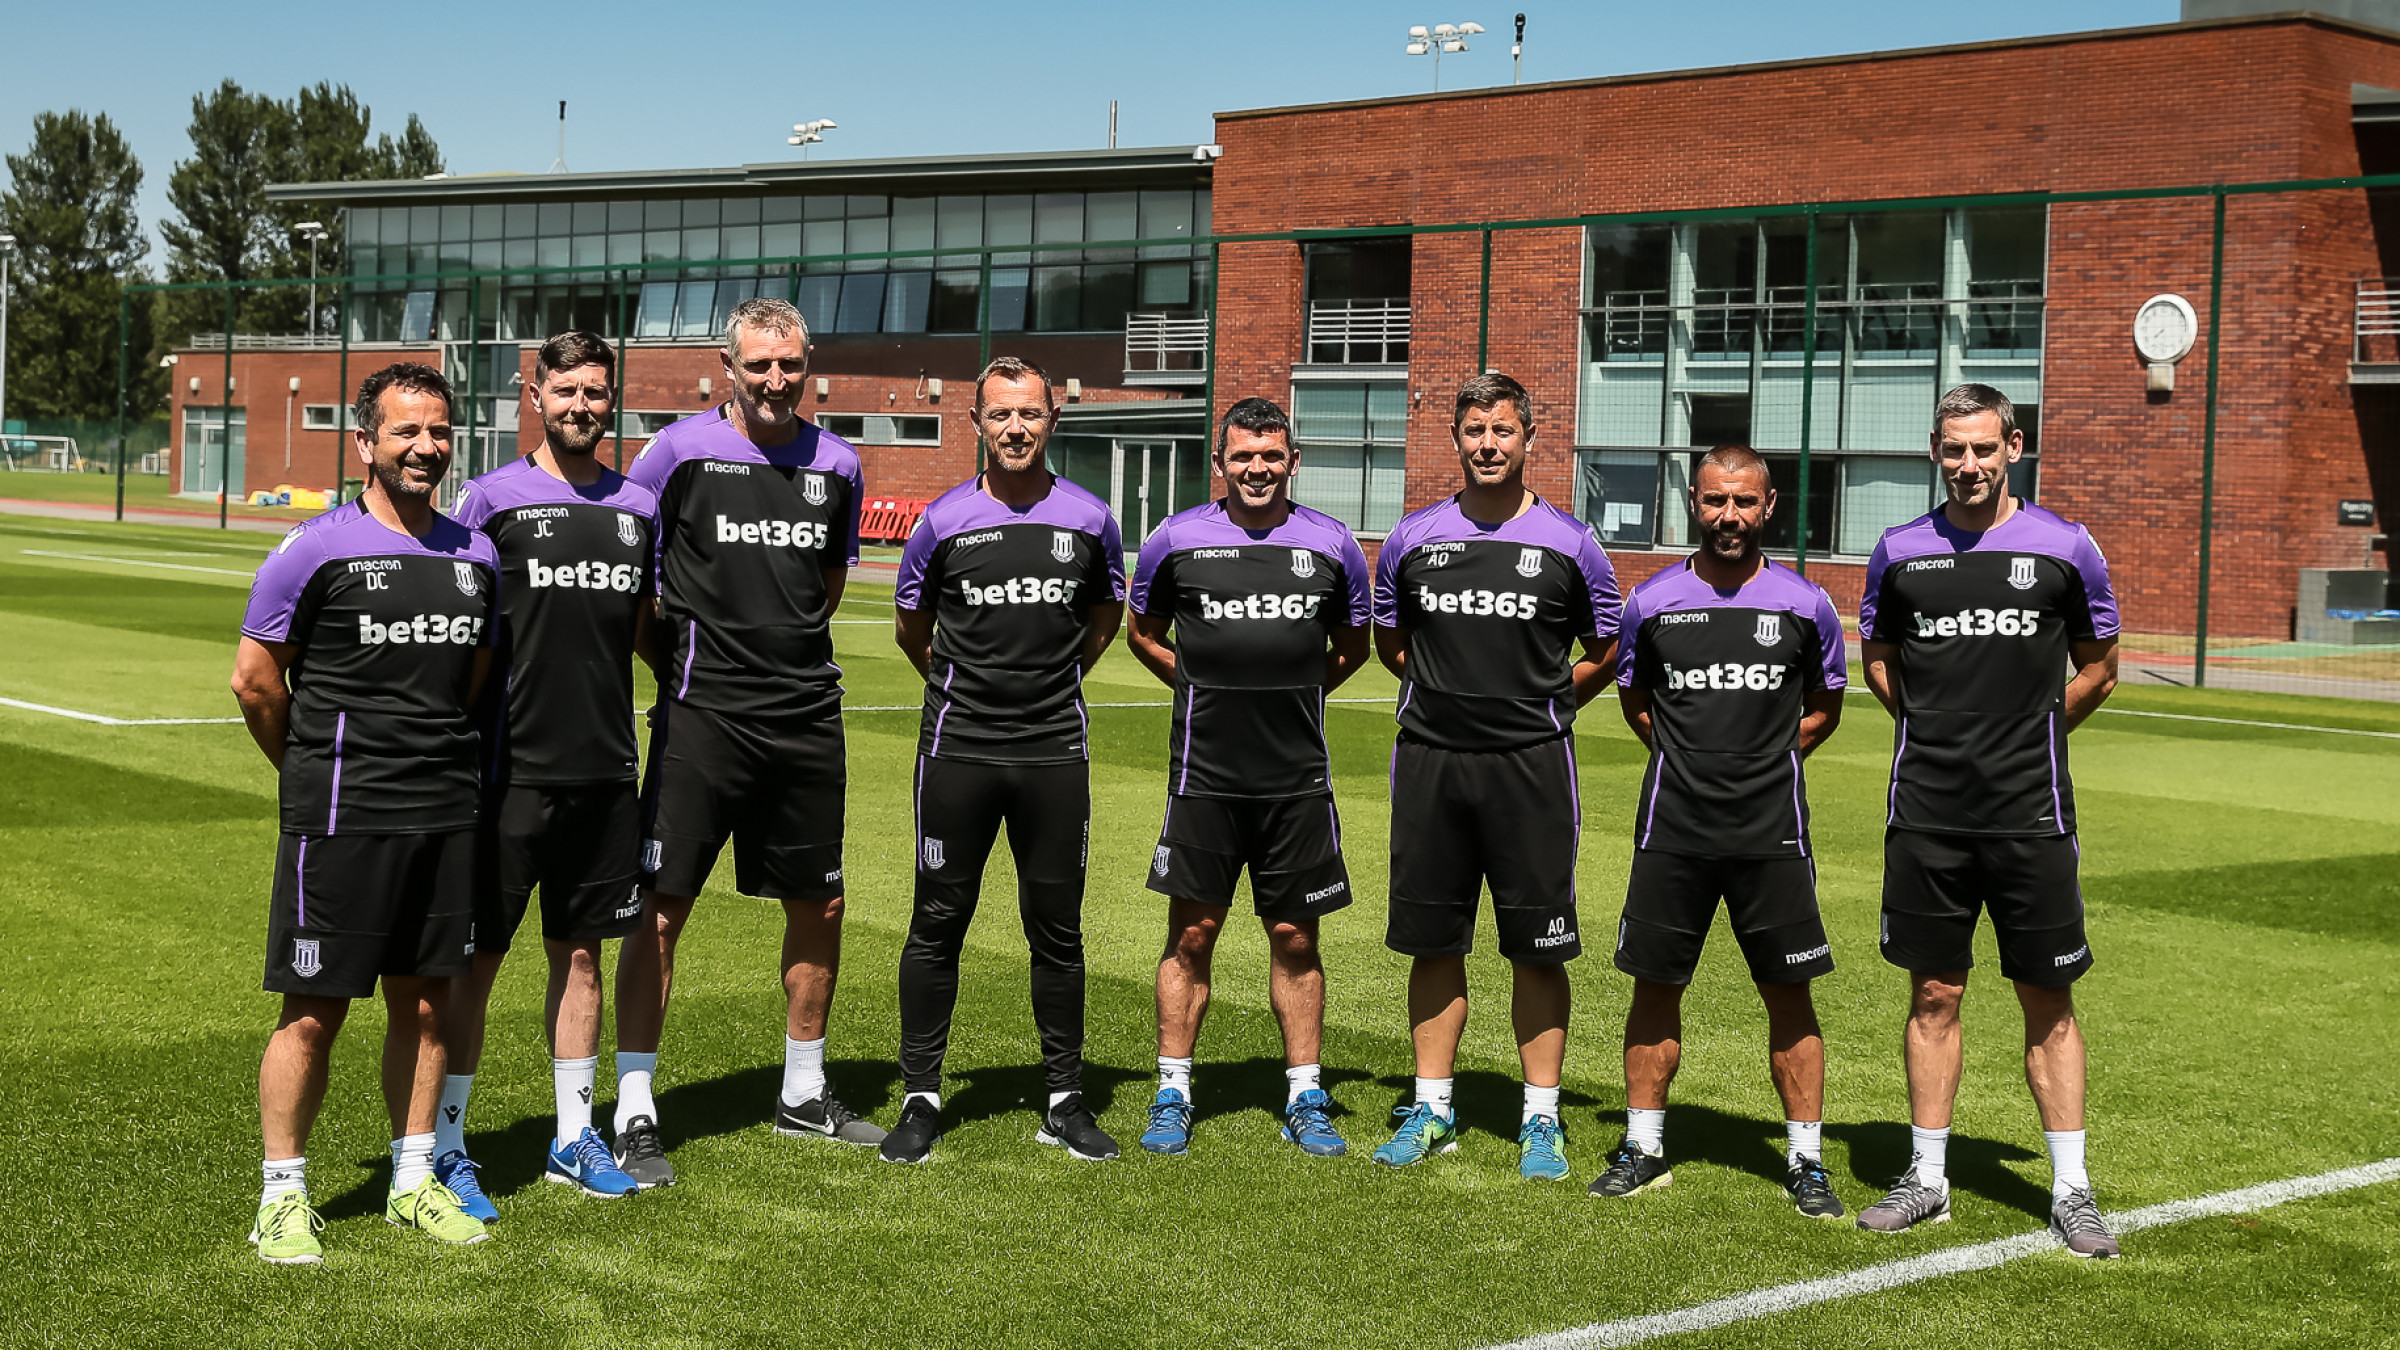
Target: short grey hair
774, 316
1970, 399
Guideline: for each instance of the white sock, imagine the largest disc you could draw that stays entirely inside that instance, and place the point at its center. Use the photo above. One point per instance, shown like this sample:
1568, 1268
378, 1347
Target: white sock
450, 1121
1057, 1097
412, 1161
634, 1075
1932, 1155
932, 1099
803, 1070
1803, 1139
282, 1176
1540, 1101
1435, 1092
1301, 1078
1646, 1130
572, 1082
2066, 1162
1175, 1075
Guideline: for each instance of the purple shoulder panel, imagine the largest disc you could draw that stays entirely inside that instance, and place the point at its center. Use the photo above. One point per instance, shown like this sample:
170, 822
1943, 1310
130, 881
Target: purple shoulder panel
1154, 551
1629, 629
275, 590
1414, 528
1833, 650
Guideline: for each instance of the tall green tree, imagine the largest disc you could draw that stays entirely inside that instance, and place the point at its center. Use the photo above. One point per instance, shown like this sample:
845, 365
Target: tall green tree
71, 205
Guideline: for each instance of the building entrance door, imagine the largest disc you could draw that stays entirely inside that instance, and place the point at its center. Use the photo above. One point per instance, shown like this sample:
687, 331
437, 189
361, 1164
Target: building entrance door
1151, 480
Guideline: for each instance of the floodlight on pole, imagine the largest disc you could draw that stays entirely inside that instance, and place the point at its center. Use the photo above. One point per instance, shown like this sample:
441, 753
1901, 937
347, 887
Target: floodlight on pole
1441, 38
806, 134
312, 231
8, 250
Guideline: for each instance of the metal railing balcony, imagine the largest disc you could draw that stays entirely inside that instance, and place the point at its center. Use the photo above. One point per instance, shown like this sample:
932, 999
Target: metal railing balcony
265, 342
1358, 332
1166, 344
2375, 331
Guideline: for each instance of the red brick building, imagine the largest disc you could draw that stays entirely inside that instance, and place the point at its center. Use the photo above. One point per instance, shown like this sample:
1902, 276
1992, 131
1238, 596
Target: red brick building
1950, 245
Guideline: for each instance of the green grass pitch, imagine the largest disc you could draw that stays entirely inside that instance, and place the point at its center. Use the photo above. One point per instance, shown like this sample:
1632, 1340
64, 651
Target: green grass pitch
2244, 891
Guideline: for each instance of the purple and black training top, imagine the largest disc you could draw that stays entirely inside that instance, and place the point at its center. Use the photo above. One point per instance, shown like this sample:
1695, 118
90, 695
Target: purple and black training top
745, 537
1253, 611
1009, 588
387, 627
1984, 622
575, 571
1726, 672
1493, 612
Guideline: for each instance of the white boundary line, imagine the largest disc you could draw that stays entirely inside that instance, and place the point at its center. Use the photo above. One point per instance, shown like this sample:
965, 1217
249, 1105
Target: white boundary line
1956, 1260
99, 720
134, 562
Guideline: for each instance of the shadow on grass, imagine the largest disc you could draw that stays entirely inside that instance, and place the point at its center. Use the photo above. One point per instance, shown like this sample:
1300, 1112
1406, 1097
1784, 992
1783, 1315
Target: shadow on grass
1483, 1100
1222, 1088
997, 1089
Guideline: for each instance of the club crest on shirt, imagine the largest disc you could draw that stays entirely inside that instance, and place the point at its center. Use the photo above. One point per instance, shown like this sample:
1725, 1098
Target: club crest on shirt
2020, 573
1529, 562
1158, 863
1770, 630
812, 487
628, 533
1304, 564
464, 573
933, 855
305, 960
1062, 545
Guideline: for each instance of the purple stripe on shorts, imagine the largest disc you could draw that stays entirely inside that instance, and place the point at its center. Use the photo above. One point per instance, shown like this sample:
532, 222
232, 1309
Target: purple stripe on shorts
300, 880
691, 645
333, 807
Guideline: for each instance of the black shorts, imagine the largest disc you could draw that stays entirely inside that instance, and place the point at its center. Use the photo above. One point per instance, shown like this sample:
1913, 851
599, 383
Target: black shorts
1671, 899
775, 787
1934, 884
348, 908
580, 843
1463, 818
1292, 846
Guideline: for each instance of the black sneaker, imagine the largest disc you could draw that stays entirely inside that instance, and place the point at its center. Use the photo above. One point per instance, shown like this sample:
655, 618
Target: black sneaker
1630, 1172
826, 1118
912, 1140
640, 1155
1069, 1125
1811, 1189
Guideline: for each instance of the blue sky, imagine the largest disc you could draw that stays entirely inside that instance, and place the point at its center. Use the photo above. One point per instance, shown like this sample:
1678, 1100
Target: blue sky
679, 85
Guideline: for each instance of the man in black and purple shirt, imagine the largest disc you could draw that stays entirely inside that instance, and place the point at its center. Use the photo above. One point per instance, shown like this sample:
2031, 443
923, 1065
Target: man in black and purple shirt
561, 810
757, 531
368, 635
1731, 669
1971, 618
1268, 605
1011, 588
1481, 601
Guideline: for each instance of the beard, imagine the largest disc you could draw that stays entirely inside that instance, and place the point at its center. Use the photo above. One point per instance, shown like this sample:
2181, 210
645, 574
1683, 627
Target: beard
570, 438
1731, 547
392, 473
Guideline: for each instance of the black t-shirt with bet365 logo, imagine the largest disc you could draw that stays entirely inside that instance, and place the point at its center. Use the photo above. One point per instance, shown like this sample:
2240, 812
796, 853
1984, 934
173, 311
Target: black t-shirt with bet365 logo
1983, 621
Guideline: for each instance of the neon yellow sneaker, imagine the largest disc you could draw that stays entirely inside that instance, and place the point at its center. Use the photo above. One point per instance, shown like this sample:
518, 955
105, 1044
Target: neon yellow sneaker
285, 1231
433, 1209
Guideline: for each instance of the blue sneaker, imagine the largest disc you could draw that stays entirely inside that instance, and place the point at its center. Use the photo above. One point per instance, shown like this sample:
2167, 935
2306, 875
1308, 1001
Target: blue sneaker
1170, 1123
457, 1171
1542, 1150
1306, 1124
584, 1162
1421, 1135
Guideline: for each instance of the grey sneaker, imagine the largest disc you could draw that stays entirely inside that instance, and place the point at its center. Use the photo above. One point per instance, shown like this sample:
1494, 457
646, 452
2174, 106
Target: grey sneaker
1911, 1202
2076, 1220
826, 1118
1630, 1172
640, 1156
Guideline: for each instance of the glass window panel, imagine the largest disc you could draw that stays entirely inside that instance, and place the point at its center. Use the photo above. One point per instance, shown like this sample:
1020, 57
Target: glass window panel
954, 307
416, 317
395, 259
779, 241
906, 300
491, 221
869, 235
450, 316
822, 207
366, 229
554, 251
457, 255
655, 317
869, 206
1621, 404
1166, 284
1783, 528
1387, 412
520, 318
661, 245
729, 294
1629, 264
1329, 411
780, 210
1891, 407
820, 300
2006, 243
1725, 257
1058, 218
861, 310
1900, 248
1674, 500
1166, 215
738, 211
1202, 221
912, 227
588, 250
520, 220
395, 224
819, 238
1112, 215
458, 222
739, 241
666, 215
625, 247
1056, 296
1879, 492
1008, 219
424, 258
1616, 493
959, 222
1775, 407
1363, 269
1008, 298
2024, 478
621, 216
700, 245
1107, 294
424, 224
700, 212
1332, 479
517, 253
